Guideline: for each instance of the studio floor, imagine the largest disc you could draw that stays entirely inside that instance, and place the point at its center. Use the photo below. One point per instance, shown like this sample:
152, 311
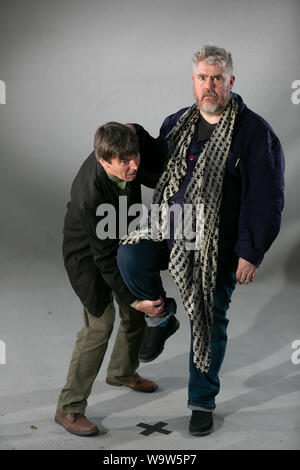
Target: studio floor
258, 406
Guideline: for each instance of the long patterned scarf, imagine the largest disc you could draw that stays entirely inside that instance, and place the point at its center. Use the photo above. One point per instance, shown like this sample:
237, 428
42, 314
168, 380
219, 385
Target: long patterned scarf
194, 270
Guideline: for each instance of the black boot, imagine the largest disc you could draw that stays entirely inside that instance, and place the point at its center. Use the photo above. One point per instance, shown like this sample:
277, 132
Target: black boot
156, 337
201, 423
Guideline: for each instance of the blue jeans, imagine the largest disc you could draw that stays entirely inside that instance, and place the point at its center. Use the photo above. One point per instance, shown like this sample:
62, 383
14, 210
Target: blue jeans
203, 387
140, 265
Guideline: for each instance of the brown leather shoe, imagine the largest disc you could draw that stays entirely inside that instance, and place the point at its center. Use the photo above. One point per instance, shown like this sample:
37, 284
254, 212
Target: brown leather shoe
76, 423
137, 383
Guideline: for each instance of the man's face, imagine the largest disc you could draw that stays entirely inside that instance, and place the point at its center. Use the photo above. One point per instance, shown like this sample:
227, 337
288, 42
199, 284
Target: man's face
125, 169
212, 87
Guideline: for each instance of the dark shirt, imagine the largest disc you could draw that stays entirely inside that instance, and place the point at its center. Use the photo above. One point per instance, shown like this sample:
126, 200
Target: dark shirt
202, 134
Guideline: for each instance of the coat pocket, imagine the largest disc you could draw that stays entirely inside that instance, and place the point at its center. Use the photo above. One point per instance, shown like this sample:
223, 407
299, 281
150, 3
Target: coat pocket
233, 164
87, 283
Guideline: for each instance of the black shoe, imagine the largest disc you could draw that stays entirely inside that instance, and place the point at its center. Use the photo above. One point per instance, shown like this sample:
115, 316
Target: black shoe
155, 339
201, 423
170, 305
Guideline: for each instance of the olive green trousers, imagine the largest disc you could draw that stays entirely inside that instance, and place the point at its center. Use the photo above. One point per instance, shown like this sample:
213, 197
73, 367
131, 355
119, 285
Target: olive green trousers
89, 350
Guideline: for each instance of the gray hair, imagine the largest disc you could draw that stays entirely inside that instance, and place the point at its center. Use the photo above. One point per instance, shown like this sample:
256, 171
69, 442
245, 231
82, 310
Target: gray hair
214, 55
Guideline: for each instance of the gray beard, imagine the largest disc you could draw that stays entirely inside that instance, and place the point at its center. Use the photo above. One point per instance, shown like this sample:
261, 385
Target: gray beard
213, 109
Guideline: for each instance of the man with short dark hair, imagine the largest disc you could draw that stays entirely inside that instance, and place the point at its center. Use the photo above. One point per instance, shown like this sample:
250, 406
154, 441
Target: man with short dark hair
112, 171
224, 157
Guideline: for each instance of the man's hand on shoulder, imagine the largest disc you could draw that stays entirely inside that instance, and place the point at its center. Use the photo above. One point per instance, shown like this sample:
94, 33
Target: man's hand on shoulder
246, 271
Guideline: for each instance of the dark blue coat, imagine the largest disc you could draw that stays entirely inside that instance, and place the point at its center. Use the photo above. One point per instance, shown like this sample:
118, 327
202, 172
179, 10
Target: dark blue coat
253, 186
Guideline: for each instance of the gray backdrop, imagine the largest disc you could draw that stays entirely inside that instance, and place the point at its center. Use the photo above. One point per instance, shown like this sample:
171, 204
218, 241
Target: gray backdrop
69, 66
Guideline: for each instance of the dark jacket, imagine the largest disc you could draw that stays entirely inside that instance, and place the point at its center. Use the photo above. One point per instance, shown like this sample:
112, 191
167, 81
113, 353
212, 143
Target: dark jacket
253, 185
91, 262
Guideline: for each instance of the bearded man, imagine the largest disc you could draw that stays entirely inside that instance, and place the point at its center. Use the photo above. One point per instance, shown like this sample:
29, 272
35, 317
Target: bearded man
226, 158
